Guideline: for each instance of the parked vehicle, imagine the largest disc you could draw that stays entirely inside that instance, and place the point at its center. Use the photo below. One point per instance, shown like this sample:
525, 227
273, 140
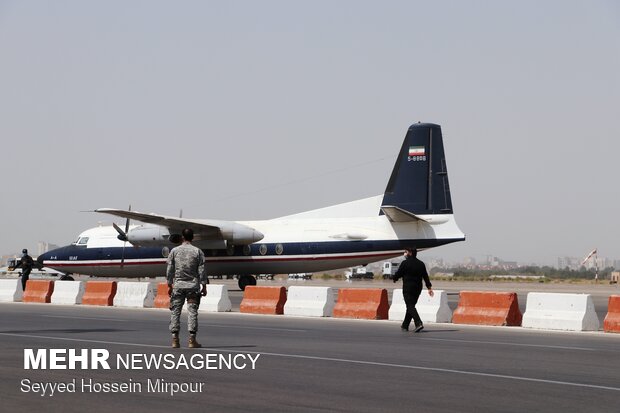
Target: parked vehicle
358, 273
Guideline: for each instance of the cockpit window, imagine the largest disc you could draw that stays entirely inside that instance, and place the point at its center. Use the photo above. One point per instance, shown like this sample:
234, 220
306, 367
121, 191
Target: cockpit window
82, 241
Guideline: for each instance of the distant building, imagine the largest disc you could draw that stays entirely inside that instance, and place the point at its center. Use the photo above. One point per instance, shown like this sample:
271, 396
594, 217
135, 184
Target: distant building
43, 247
469, 261
600, 262
572, 263
4, 260
493, 262
436, 263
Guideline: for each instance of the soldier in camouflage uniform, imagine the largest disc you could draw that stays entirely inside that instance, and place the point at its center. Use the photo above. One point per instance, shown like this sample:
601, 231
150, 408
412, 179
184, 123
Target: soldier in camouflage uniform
185, 274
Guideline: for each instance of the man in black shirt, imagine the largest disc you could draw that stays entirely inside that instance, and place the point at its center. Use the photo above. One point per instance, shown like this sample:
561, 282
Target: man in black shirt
412, 271
25, 263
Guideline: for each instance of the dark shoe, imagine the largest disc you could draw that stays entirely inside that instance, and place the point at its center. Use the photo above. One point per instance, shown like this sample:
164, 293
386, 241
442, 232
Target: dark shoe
403, 328
175, 341
192, 342
419, 328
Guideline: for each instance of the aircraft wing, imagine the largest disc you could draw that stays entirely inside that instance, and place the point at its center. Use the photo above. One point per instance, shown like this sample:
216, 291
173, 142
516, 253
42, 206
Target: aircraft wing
163, 220
230, 231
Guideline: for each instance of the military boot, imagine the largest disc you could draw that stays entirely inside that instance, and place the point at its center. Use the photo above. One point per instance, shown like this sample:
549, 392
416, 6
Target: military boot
192, 342
175, 340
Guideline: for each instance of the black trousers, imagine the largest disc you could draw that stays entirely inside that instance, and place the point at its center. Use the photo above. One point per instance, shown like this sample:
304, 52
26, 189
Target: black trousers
25, 276
411, 299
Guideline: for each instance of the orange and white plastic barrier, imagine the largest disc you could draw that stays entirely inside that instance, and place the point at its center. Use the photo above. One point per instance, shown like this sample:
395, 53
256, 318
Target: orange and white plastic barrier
134, 294
366, 303
11, 290
612, 319
263, 300
217, 300
433, 309
310, 301
487, 308
162, 299
99, 293
38, 291
68, 292
553, 311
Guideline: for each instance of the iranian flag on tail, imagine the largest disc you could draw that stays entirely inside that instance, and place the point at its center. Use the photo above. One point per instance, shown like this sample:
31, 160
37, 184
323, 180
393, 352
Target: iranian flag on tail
416, 151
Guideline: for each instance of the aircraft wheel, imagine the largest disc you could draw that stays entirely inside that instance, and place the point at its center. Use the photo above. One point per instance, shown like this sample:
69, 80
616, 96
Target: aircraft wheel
246, 280
66, 277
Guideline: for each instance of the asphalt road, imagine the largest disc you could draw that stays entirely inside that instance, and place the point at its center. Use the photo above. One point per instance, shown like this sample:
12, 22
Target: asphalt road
312, 365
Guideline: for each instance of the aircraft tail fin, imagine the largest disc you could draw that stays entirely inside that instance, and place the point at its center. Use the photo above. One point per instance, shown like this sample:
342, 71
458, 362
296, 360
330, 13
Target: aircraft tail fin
419, 181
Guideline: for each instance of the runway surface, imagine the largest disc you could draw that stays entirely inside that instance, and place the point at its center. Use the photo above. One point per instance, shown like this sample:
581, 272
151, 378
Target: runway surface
313, 365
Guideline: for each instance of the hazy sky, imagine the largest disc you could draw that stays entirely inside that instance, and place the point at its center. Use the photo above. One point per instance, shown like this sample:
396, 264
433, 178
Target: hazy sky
257, 109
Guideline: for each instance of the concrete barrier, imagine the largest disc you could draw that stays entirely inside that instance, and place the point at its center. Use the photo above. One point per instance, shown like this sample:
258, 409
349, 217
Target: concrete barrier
68, 292
217, 300
263, 300
310, 301
487, 308
366, 303
431, 309
99, 293
11, 290
134, 294
549, 311
612, 319
38, 291
162, 299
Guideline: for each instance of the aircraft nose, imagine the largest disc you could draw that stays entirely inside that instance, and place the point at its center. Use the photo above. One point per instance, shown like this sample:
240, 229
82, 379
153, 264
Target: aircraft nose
51, 255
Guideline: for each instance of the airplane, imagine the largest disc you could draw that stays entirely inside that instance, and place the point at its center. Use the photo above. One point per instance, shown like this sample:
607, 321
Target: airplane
414, 211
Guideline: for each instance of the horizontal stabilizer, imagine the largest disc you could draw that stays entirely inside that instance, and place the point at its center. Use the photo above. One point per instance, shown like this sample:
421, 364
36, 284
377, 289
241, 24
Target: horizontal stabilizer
396, 214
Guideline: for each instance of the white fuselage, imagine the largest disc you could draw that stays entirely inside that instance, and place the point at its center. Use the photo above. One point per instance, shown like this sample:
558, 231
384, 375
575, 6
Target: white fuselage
336, 237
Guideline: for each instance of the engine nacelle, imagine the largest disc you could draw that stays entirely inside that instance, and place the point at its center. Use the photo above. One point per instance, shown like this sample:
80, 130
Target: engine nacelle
231, 233
239, 234
148, 235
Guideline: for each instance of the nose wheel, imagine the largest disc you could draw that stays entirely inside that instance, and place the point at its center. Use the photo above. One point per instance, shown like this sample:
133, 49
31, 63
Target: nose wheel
246, 280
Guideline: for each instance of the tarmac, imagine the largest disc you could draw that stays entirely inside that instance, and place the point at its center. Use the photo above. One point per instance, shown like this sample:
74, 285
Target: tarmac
310, 365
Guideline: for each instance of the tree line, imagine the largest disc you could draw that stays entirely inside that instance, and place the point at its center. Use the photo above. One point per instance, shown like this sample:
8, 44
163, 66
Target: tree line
546, 271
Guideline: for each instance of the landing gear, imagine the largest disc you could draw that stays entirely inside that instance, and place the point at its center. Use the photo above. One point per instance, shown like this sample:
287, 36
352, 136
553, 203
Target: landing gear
66, 277
246, 280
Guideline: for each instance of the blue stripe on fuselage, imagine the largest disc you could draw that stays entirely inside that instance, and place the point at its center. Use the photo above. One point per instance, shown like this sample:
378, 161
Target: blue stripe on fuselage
79, 253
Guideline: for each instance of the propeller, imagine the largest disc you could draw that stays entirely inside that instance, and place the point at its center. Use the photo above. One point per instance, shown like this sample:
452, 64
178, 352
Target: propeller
122, 235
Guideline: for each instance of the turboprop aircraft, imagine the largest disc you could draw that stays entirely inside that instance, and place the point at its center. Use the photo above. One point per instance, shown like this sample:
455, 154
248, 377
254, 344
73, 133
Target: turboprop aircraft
415, 211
